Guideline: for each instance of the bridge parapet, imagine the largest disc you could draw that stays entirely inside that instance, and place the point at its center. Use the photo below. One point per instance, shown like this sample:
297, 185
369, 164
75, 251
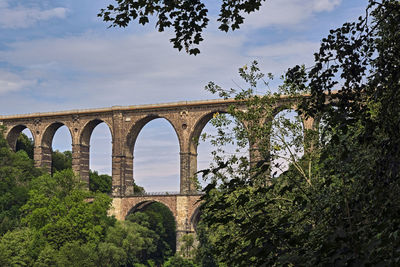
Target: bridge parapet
187, 118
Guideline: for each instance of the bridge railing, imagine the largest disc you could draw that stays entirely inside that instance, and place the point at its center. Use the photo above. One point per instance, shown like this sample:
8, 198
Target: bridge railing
164, 193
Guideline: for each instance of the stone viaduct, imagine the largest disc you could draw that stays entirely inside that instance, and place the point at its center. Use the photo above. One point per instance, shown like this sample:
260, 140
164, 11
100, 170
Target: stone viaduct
125, 123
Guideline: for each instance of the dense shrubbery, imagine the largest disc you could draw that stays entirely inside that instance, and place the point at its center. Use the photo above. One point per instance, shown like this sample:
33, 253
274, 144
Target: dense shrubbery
49, 220
339, 204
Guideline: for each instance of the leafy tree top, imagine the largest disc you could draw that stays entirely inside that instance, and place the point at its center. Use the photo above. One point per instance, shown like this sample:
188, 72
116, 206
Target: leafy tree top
188, 17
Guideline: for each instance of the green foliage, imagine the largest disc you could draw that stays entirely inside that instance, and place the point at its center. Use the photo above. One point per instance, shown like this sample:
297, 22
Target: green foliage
179, 261
129, 242
187, 248
100, 183
51, 221
16, 171
161, 221
77, 255
338, 204
137, 189
16, 248
61, 161
59, 210
188, 18
47, 257
25, 143
111, 254
103, 183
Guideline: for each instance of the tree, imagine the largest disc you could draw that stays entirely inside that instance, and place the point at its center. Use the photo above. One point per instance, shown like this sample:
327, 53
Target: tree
129, 242
188, 18
187, 248
246, 208
16, 172
59, 211
344, 209
103, 183
160, 220
61, 161
25, 143
16, 248
100, 183
179, 261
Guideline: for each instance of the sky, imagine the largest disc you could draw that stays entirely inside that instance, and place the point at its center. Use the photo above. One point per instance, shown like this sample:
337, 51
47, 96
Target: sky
58, 55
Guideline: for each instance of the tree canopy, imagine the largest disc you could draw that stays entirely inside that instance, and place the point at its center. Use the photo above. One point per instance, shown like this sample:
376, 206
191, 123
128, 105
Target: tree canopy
338, 204
188, 18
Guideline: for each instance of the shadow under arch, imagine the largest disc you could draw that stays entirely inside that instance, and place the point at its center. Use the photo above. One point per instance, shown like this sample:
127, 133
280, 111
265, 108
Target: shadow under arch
14, 133
142, 205
160, 219
195, 218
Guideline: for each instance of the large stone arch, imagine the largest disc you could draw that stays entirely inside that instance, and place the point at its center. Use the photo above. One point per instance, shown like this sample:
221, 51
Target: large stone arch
198, 128
49, 132
130, 142
88, 128
189, 151
13, 134
81, 148
46, 142
137, 127
126, 205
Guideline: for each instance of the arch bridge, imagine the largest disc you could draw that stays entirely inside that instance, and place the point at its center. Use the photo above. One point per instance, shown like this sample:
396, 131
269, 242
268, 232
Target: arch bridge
125, 123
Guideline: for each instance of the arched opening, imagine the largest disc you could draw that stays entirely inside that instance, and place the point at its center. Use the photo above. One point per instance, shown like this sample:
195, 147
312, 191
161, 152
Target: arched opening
57, 148
21, 138
96, 139
286, 142
26, 142
155, 147
323, 128
159, 219
195, 218
215, 141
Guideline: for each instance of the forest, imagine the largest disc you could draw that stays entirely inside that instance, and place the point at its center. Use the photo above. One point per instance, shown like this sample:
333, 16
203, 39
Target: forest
326, 195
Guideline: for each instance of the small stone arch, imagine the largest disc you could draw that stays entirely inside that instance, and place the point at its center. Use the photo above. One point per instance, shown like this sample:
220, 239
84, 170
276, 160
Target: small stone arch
142, 204
195, 218
13, 134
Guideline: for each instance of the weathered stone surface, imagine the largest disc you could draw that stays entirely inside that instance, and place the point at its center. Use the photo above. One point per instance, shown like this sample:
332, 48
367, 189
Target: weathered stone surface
125, 123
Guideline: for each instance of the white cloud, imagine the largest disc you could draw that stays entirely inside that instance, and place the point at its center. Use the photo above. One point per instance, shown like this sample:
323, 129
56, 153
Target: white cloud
287, 13
325, 5
277, 58
84, 70
11, 82
24, 17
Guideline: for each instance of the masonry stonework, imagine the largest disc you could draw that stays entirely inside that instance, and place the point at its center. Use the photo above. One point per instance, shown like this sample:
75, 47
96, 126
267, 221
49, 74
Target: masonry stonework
125, 123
